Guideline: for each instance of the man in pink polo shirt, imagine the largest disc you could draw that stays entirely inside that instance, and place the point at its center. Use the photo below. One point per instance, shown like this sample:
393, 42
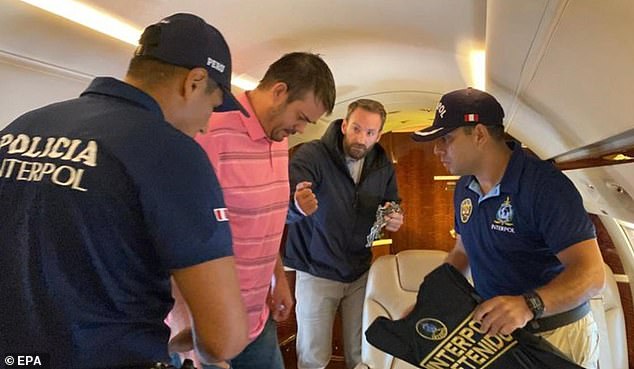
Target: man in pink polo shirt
250, 157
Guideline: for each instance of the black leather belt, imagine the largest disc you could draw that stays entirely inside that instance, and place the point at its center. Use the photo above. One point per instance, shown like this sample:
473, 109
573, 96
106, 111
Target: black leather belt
558, 320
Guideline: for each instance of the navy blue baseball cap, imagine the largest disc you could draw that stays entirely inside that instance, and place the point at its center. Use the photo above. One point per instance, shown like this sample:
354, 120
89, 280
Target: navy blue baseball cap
460, 108
186, 40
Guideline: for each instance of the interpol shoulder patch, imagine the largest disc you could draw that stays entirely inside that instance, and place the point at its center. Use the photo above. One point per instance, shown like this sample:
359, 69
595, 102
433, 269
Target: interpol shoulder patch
431, 329
465, 210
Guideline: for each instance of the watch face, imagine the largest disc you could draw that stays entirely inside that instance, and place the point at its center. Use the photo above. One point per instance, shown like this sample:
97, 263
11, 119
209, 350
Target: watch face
534, 303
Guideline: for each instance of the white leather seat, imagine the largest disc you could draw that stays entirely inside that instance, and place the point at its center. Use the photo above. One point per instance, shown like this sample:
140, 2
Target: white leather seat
608, 313
392, 287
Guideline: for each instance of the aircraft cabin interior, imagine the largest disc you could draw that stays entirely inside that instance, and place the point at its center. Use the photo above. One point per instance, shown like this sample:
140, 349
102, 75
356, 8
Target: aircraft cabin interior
561, 69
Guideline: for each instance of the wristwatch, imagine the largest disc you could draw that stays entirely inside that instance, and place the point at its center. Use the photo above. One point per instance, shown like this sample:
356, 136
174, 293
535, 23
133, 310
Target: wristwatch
534, 303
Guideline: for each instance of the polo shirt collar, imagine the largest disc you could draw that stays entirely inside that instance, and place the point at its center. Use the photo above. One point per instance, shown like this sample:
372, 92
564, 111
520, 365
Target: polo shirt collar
113, 87
510, 182
475, 187
252, 124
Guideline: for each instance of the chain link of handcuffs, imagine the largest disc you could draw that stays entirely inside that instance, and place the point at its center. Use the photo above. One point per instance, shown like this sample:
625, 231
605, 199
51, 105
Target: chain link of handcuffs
381, 212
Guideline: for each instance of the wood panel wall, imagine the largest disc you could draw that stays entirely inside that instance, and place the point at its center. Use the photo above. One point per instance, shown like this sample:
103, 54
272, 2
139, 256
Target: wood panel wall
428, 204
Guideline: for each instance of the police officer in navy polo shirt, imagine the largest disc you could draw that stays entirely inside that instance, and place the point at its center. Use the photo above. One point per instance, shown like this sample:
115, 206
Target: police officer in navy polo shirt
522, 229
105, 197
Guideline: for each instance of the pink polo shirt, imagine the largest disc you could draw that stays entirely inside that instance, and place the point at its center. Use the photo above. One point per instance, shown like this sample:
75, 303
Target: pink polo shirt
253, 174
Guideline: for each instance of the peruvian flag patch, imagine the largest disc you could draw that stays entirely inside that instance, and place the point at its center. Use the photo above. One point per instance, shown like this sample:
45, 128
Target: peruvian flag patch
221, 214
471, 118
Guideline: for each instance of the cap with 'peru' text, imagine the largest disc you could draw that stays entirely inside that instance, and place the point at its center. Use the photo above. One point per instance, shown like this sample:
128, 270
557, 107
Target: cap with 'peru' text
188, 41
460, 108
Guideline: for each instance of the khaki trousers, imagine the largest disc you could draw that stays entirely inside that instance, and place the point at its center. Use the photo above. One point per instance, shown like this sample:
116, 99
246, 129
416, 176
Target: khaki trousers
317, 302
578, 340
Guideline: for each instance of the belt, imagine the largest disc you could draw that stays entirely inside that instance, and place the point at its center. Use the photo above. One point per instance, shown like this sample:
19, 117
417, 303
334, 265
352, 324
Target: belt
558, 320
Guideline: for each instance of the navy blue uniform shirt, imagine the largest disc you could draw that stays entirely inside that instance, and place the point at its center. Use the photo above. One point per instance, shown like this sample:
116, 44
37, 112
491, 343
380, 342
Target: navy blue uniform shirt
513, 233
101, 198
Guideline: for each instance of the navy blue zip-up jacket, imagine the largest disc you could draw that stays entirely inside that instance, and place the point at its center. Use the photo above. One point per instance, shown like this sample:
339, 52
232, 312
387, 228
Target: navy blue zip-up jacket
331, 242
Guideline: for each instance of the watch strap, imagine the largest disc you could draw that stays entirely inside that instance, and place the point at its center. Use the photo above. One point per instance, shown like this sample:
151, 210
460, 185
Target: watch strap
534, 303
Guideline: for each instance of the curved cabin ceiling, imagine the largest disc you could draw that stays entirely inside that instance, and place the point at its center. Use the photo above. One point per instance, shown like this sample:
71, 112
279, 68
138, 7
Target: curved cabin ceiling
404, 53
561, 68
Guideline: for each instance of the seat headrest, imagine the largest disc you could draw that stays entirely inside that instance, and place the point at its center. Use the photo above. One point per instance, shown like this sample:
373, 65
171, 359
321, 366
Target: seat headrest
412, 265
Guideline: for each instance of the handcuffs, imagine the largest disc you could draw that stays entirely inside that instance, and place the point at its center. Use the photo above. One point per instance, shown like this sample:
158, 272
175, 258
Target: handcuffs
381, 212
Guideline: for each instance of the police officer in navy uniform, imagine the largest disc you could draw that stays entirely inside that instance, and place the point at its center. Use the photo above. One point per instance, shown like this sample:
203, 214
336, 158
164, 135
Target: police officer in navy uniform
522, 229
106, 196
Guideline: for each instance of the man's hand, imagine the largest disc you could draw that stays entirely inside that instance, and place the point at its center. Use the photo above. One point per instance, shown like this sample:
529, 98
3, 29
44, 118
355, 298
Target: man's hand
280, 299
394, 221
502, 314
305, 199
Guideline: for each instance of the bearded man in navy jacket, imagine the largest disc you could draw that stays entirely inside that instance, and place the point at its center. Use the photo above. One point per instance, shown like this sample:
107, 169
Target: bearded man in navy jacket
339, 181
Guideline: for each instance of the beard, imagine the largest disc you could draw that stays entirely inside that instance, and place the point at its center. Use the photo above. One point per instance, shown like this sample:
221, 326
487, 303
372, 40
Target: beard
356, 151
278, 133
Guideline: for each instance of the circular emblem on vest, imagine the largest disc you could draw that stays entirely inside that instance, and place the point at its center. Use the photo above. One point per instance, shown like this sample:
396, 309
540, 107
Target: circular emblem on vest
431, 329
504, 214
465, 210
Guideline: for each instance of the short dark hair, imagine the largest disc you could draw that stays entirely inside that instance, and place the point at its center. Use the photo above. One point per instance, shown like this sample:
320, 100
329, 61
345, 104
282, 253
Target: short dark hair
496, 131
372, 106
152, 72
303, 72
